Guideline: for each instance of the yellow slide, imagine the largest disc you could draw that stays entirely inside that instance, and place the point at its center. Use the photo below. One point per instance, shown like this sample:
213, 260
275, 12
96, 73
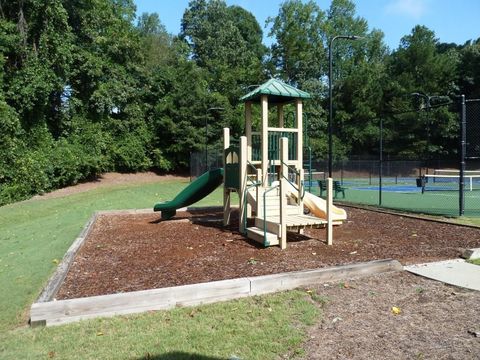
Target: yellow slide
317, 206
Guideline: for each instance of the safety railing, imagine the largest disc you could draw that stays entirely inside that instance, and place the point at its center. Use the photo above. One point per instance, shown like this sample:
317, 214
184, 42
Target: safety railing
300, 182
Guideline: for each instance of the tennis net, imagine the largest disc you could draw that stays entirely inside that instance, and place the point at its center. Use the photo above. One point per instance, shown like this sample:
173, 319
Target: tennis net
443, 182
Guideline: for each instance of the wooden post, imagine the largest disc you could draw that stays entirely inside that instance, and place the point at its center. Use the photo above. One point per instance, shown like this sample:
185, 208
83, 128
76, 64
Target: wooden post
281, 121
226, 192
248, 128
264, 140
329, 211
242, 165
299, 113
283, 145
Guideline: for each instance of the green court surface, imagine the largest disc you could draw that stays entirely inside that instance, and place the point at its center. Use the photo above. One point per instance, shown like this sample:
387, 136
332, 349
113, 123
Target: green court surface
408, 197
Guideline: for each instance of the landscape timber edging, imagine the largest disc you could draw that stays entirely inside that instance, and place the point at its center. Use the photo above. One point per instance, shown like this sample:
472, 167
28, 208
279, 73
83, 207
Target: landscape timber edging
71, 310
470, 254
53, 285
55, 281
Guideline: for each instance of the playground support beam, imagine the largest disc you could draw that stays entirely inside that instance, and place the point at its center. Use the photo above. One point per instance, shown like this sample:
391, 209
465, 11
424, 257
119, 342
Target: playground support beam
226, 192
264, 139
299, 118
281, 117
283, 145
242, 163
248, 128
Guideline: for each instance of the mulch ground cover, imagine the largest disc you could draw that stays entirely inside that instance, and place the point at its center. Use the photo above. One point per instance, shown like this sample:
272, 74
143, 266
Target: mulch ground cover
139, 251
433, 320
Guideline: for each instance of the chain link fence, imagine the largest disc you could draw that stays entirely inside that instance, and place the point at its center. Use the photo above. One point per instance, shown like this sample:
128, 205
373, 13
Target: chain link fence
448, 186
201, 162
472, 129
421, 186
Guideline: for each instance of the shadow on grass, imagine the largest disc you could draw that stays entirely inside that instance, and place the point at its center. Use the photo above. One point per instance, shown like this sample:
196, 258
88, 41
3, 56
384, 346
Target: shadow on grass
178, 355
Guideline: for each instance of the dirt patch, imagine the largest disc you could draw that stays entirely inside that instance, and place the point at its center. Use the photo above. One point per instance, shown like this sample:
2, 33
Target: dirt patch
436, 321
137, 252
109, 179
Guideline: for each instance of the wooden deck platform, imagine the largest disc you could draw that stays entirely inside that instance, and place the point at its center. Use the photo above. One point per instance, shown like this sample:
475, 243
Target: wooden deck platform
303, 221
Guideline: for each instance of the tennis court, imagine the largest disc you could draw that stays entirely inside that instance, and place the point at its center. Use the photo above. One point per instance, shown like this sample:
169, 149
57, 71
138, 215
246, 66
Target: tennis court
391, 188
441, 195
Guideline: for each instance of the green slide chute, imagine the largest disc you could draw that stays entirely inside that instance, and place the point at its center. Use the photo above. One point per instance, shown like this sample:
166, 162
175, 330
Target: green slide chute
195, 191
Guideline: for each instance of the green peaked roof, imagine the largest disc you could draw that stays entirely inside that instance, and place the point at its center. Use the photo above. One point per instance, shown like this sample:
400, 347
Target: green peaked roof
278, 92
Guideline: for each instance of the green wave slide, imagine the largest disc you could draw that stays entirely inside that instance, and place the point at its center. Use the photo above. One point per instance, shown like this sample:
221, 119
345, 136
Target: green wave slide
195, 191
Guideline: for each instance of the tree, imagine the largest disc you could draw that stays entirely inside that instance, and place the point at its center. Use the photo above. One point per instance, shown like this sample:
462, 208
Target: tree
469, 70
299, 53
156, 42
39, 63
226, 42
178, 116
359, 95
418, 66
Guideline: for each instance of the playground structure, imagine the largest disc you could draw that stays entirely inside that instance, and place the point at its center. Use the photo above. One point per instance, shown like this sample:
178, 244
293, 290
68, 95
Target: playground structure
265, 169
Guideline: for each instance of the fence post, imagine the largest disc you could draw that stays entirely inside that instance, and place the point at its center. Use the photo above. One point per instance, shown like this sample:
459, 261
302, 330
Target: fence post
463, 134
329, 211
380, 165
341, 172
226, 191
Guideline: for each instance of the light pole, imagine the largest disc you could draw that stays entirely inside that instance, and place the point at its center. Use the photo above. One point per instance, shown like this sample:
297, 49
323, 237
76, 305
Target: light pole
330, 113
206, 133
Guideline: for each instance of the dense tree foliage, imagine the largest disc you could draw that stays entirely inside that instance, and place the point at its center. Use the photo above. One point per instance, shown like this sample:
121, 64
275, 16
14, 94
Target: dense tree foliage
88, 86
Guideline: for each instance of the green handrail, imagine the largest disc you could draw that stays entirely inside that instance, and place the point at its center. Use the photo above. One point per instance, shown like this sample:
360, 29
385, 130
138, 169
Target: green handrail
291, 168
265, 242
271, 171
294, 185
251, 165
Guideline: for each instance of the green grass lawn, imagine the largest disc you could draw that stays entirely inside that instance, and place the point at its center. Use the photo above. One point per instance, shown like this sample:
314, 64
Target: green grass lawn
475, 261
35, 233
253, 328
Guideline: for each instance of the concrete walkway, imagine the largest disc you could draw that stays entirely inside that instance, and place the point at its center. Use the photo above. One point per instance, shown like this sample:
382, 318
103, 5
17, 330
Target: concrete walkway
454, 272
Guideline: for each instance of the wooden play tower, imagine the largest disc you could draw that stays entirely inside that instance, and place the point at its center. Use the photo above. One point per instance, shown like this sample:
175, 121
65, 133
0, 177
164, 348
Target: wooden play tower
265, 167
